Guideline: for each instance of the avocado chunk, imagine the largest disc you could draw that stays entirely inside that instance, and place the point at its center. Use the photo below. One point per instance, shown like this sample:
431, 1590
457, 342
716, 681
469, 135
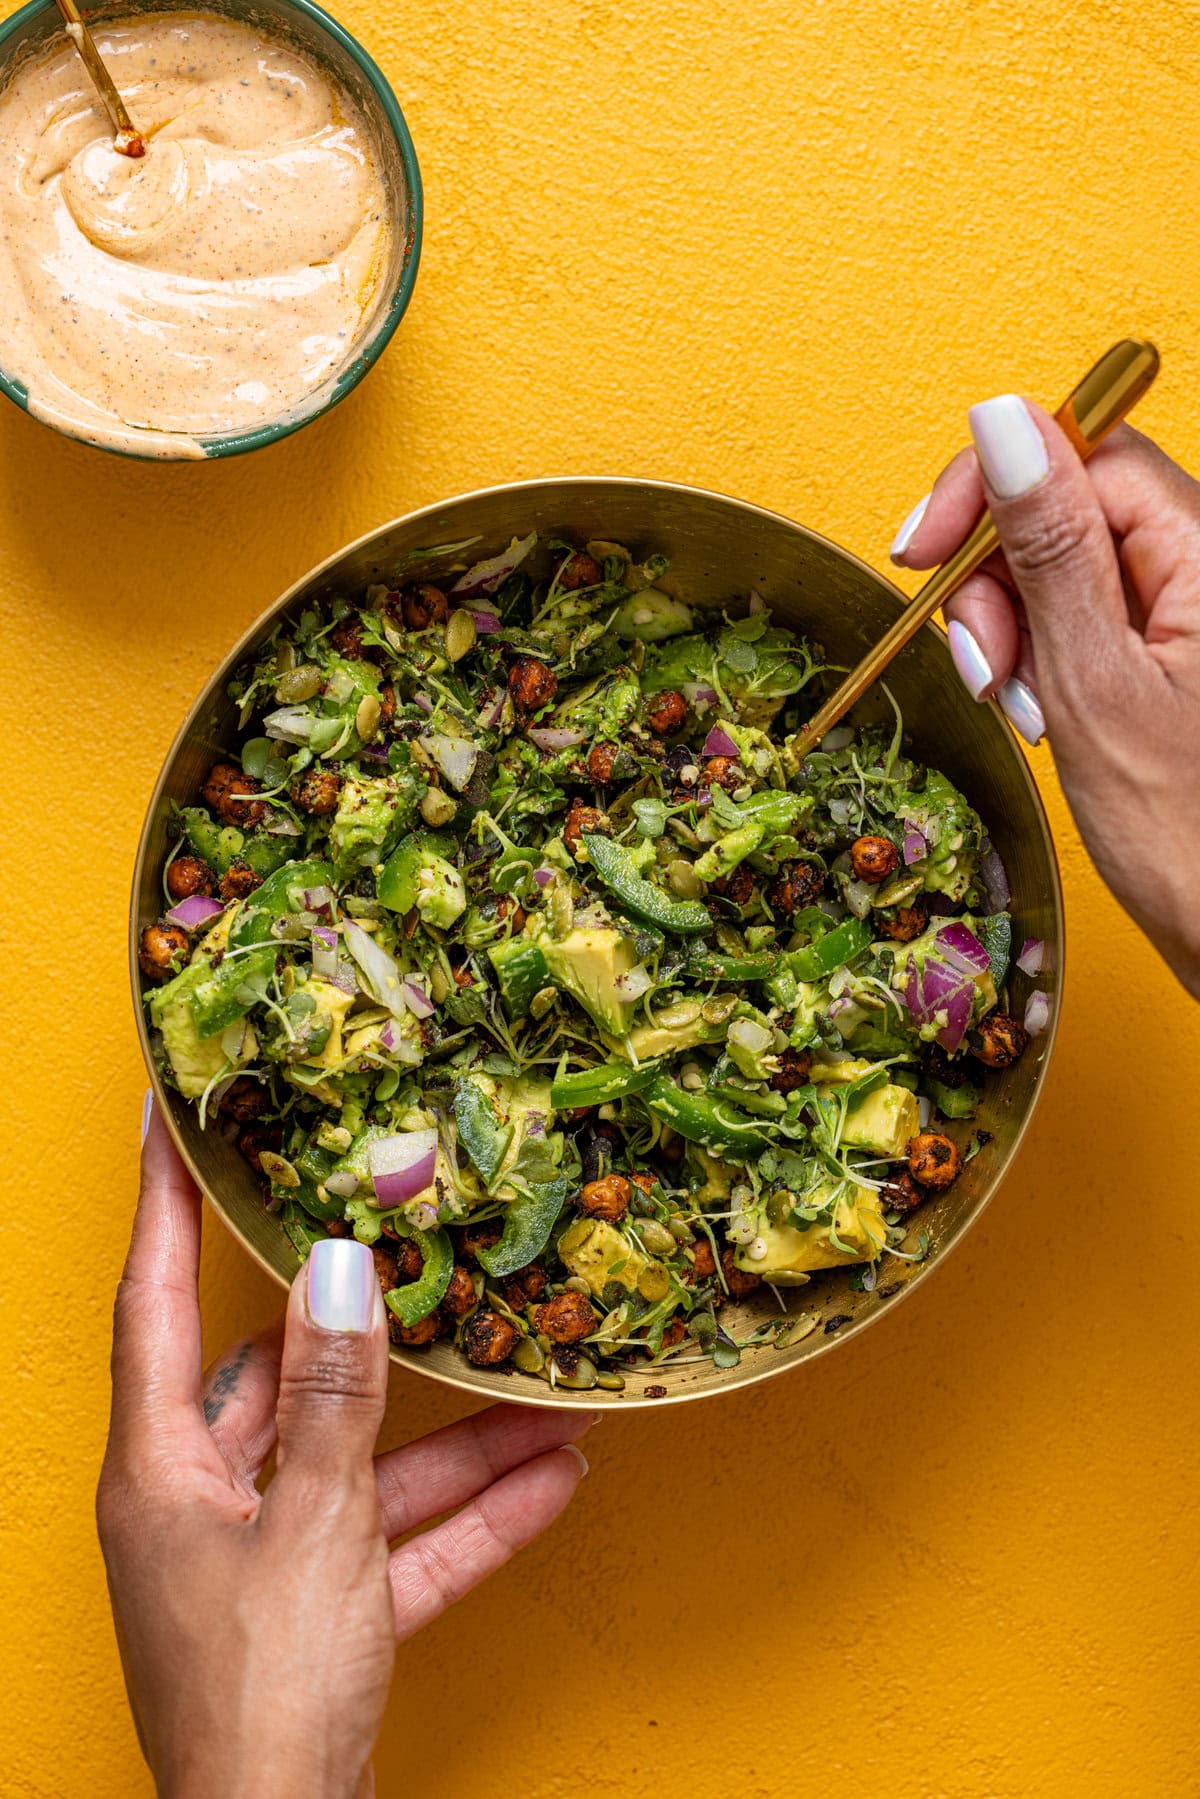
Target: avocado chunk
419, 874
792, 1254
677, 1027
651, 615
196, 1061
587, 963
883, 1121
596, 1252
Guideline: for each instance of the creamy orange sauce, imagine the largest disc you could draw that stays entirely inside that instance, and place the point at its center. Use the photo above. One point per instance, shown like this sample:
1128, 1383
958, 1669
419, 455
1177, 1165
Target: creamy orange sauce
210, 285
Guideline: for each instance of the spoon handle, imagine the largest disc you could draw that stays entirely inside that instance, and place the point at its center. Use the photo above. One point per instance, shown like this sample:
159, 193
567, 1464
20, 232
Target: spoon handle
1101, 400
128, 139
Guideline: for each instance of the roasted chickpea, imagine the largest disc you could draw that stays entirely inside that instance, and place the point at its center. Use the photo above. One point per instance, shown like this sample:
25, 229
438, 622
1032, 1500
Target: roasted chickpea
999, 1042
475, 1237
579, 819
413, 1336
387, 704
459, 1296
736, 1279
704, 1263
405, 1254
671, 1146
666, 713
901, 1194
606, 760
245, 1100
793, 1070
347, 639
423, 605
317, 791
255, 1139
567, 1318
162, 950
903, 923
933, 1160
385, 1267
647, 1182
488, 1339
722, 771
525, 1286
675, 1332
580, 570
531, 684
508, 907
188, 875
738, 888
873, 859
607, 1198
225, 792
951, 1071
798, 884
238, 880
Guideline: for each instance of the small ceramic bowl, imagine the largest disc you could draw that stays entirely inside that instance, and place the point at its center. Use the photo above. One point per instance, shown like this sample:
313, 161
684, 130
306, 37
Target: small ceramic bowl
331, 45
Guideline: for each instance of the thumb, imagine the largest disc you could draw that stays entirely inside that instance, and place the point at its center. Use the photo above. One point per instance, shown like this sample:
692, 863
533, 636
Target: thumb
1059, 549
333, 1374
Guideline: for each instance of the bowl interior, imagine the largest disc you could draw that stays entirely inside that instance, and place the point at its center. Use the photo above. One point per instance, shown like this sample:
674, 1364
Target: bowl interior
328, 43
719, 549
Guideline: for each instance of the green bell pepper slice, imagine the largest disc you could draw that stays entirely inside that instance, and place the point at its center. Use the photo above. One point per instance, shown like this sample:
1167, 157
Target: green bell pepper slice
422, 1296
480, 1132
703, 1119
274, 900
396, 882
231, 989
832, 951
528, 1222
521, 971
953, 1102
734, 968
617, 869
596, 1086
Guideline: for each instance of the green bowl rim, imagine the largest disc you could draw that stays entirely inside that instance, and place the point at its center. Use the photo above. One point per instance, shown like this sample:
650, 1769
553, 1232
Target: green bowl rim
235, 443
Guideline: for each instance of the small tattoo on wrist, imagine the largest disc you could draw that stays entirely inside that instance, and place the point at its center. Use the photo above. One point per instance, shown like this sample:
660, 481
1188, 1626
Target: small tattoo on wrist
224, 1384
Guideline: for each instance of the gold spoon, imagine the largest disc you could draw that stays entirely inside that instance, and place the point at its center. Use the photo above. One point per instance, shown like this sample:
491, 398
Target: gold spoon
126, 137
1101, 400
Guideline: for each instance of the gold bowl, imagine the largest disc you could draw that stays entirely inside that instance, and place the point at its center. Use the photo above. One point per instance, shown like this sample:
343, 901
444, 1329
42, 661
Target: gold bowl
718, 547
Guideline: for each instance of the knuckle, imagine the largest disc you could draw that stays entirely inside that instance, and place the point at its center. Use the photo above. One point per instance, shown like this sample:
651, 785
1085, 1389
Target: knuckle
332, 1380
1044, 541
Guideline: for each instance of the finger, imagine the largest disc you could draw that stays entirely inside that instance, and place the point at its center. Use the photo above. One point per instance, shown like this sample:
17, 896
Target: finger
445, 1469
156, 1319
434, 1571
1058, 546
937, 524
984, 636
333, 1371
240, 1390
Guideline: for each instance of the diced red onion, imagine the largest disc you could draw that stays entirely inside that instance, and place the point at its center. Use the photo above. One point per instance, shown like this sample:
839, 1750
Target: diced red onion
486, 576
1037, 1012
553, 739
425, 1216
924, 1111
838, 739
915, 846
962, 949
935, 989
344, 976
490, 711
455, 756
196, 910
719, 743
325, 952
319, 899
995, 880
752, 1036
380, 971
423, 701
634, 984
698, 696
1033, 952
543, 876
343, 1184
485, 622
535, 1124
860, 896
278, 824
402, 1166
417, 1000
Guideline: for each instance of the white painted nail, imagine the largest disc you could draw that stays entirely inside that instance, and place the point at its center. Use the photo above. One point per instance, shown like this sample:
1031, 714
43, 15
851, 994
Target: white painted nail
341, 1284
1011, 448
908, 529
572, 1449
973, 667
1020, 707
147, 1112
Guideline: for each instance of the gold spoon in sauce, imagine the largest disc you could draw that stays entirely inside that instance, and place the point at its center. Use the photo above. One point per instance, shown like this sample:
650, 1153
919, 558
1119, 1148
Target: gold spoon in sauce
126, 137
1102, 399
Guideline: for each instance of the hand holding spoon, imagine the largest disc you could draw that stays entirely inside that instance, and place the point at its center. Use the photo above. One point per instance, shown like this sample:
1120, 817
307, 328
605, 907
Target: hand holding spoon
126, 138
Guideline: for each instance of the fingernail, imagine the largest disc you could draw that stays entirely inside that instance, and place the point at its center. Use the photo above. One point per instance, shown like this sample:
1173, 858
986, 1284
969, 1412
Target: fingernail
341, 1284
1020, 708
147, 1112
970, 661
1010, 446
580, 1458
908, 529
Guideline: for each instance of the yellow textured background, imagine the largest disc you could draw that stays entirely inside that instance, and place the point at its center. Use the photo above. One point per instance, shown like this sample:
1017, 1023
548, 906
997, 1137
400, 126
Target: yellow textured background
776, 250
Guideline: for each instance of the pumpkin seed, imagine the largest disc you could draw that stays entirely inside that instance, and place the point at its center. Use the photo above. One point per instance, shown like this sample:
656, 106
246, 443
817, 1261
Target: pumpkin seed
684, 880
562, 911
611, 1381
278, 1171
653, 1282
655, 1237
586, 1375
680, 1231
285, 657
528, 1357
439, 985
297, 684
366, 719
542, 1001
717, 1009
437, 808
683, 1012
460, 634
575, 1283
804, 1326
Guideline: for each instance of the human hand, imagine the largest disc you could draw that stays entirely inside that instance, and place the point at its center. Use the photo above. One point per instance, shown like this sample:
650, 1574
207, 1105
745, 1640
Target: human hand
258, 1630
1086, 625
